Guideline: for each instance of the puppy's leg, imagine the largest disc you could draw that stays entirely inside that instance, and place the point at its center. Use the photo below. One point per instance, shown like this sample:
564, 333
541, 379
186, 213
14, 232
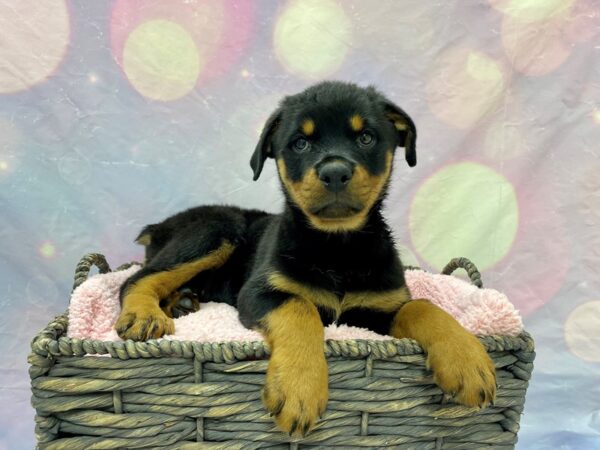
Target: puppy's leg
460, 364
296, 386
141, 317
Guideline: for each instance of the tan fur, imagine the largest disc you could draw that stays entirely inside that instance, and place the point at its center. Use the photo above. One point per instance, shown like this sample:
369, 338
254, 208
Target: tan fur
354, 222
305, 192
141, 317
460, 364
363, 187
367, 187
401, 125
319, 297
296, 389
356, 122
385, 301
308, 127
399, 121
145, 239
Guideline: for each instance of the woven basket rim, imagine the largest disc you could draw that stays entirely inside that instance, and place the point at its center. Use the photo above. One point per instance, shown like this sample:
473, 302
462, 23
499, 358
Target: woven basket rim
52, 341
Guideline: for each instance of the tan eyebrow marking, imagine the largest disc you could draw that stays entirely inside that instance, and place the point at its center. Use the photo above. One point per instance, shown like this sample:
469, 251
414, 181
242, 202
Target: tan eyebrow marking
308, 127
357, 122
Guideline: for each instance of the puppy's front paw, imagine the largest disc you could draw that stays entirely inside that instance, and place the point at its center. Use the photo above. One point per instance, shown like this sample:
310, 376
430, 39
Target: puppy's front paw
141, 323
296, 392
462, 368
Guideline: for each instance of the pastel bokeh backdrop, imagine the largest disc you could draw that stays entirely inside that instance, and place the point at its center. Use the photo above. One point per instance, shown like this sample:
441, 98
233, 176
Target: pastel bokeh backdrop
117, 114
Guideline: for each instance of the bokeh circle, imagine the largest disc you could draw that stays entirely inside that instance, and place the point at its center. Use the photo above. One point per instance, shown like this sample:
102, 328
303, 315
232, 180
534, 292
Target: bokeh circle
47, 250
464, 209
161, 60
582, 23
404, 29
531, 281
464, 85
311, 37
205, 37
35, 37
535, 48
582, 331
532, 10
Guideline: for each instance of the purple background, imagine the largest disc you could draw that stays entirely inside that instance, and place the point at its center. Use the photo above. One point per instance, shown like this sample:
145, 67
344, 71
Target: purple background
117, 114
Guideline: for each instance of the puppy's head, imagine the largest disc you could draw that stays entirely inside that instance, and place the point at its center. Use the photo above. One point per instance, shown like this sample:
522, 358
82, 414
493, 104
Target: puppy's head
334, 145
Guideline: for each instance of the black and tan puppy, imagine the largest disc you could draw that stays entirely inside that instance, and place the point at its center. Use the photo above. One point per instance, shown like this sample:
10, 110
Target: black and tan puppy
328, 257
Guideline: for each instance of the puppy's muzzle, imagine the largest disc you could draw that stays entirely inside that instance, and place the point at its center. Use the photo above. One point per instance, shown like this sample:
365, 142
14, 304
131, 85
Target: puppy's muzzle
335, 174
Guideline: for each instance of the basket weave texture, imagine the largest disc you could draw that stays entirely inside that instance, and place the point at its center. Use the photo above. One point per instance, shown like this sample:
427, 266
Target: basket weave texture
191, 395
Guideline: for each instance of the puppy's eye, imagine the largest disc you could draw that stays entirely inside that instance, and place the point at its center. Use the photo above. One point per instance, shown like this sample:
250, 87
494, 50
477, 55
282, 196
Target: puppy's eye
366, 139
301, 145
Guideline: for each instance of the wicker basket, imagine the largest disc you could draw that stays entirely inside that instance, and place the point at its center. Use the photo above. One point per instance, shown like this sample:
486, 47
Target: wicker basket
188, 395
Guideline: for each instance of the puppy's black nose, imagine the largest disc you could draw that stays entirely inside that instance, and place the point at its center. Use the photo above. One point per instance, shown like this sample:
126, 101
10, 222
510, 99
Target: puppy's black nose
335, 174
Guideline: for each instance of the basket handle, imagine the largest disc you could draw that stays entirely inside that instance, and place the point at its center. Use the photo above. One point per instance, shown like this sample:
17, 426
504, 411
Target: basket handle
470, 268
82, 270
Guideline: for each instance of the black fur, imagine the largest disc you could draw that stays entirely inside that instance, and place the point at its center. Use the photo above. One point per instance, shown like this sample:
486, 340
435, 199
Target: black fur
361, 260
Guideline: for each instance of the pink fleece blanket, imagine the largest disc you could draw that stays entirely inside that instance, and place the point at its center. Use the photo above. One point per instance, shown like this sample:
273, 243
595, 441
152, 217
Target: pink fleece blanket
94, 309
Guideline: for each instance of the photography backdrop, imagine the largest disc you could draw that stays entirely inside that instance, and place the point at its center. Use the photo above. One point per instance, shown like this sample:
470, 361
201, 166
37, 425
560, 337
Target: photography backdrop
117, 114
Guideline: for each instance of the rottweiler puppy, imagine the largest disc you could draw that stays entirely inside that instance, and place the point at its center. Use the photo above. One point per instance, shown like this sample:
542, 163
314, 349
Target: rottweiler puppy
328, 257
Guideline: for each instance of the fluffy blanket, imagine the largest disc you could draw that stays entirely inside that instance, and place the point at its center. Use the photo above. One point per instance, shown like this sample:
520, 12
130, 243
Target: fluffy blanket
94, 309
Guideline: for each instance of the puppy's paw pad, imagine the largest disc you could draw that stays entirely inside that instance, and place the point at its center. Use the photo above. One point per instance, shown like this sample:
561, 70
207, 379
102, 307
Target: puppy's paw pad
180, 303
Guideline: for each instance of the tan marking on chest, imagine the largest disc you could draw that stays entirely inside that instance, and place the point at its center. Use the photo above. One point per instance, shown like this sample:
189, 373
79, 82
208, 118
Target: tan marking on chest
317, 296
385, 301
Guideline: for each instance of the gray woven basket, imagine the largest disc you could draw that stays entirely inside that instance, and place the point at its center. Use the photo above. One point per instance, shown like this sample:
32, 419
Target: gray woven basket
189, 395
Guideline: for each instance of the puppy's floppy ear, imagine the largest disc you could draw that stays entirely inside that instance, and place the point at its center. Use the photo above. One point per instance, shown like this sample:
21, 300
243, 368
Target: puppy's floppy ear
263, 148
406, 130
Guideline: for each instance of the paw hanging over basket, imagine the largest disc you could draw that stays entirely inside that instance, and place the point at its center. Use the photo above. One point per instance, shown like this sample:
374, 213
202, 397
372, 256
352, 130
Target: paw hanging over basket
185, 395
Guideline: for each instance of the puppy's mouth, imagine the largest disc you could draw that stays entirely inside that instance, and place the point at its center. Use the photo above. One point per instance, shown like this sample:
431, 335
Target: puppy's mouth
336, 210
